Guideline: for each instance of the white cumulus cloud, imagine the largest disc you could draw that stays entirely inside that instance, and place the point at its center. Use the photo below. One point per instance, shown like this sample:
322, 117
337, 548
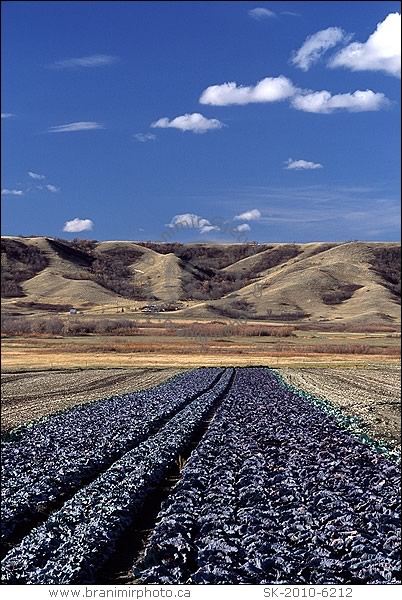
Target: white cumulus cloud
144, 137
77, 225
381, 52
94, 60
192, 221
52, 188
316, 45
270, 89
243, 227
194, 122
36, 175
77, 126
261, 13
6, 115
325, 103
299, 165
208, 228
249, 215
6, 192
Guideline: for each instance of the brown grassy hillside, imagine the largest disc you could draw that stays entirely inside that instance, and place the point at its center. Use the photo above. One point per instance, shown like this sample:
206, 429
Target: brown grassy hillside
352, 283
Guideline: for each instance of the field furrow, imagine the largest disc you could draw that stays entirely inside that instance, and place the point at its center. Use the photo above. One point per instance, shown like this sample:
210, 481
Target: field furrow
32, 395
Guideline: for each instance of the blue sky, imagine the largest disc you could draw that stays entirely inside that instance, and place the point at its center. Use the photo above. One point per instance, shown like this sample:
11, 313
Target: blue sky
201, 121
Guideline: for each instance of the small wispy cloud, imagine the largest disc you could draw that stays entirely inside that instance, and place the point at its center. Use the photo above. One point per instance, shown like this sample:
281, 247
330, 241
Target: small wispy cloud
48, 186
261, 13
76, 225
7, 115
324, 102
6, 192
194, 122
36, 175
85, 62
381, 51
316, 45
270, 89
52, 188
289, 13
301, 165
249, 215
329, 211
243, 227
192, 221
144, 137
77, 126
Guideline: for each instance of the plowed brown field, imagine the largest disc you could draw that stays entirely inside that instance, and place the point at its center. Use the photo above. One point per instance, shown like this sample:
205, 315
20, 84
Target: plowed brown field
29, 395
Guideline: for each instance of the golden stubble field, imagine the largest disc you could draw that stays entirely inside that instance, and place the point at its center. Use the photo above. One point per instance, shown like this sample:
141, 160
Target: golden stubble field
150, 351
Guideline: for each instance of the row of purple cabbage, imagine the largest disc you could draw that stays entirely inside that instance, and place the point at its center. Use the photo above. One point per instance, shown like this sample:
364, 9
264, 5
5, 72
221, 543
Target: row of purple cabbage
277, 493
53, 458
75, 541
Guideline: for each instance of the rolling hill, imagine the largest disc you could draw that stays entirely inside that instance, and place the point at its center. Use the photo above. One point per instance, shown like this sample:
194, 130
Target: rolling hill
349, 283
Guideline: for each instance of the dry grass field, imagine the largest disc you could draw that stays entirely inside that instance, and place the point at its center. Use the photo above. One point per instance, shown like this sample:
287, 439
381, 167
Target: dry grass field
179, 352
